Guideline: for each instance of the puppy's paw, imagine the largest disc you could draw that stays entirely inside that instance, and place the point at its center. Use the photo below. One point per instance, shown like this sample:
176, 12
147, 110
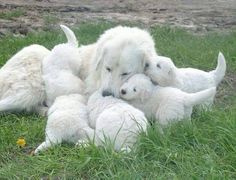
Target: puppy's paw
33, 153
125, 149
82, 143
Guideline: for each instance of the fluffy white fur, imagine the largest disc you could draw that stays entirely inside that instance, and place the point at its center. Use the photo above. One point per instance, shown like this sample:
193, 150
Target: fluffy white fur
21, 83
163, 71
86, 54
67, 121
115, 121
61, 69
120, 53
166, 104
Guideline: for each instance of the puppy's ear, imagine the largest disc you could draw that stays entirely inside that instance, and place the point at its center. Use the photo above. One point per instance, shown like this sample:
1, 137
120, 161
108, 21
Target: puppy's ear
171, 72
144, 95
99, 57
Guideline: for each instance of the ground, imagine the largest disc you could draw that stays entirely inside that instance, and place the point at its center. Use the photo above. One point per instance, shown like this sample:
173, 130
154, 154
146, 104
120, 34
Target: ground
19, 16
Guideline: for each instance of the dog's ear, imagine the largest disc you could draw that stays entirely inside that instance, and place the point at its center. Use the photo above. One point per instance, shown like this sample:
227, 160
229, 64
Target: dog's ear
144, 95
146, 63
145, 60
99, 57
148, 53
169, 67
171, 72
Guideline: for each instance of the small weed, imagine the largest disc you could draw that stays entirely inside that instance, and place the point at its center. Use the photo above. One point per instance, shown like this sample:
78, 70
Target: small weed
9, 15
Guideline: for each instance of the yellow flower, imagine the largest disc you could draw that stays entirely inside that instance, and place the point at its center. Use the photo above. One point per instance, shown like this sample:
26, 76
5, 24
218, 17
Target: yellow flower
21, 142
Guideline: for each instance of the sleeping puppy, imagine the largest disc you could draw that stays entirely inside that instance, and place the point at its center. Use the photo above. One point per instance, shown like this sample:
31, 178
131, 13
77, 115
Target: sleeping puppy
61, 69
67, 121
115, 121
21, 83
163, 71
166, 104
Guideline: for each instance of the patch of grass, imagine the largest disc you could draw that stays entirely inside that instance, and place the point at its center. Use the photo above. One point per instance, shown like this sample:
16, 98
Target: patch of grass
49, 20
9, 15
204, 148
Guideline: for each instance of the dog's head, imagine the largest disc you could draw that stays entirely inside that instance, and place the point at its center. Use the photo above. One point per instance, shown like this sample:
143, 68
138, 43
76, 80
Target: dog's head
137, 87
161, 70
118, 60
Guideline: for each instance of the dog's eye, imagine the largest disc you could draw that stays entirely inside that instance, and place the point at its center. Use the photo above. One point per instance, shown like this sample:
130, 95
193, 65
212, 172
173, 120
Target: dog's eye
108, 69
134, 89
125, 74
146, 66
158, 65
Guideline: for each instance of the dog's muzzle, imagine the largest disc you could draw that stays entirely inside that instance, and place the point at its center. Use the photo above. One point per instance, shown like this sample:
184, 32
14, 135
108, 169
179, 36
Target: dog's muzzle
107, 93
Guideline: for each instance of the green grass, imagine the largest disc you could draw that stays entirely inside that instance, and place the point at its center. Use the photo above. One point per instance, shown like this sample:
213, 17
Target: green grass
202, 149
9, 15
49, 21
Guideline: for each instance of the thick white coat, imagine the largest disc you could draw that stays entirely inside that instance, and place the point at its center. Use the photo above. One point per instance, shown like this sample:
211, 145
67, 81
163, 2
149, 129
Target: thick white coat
21, 83
163, 71
120, 53
166, 104
115, 121
67, 121
61, 69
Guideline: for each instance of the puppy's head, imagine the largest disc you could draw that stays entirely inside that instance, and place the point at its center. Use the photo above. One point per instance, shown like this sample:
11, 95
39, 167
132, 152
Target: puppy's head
161, 70
137, 87
120, 59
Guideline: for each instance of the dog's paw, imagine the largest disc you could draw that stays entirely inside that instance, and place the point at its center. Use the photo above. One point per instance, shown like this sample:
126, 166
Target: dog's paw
82, 143
126, 149
33, 153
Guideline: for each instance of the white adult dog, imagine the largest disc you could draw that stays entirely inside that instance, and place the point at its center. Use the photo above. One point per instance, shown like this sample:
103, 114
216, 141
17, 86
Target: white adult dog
115, 121
67, 121
120, 53
61, 69
166, 104
21, 83
163, 71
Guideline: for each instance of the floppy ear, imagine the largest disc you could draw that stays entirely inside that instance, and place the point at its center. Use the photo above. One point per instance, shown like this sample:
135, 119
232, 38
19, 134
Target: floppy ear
99, 57
144, 95
171, 72
145, 61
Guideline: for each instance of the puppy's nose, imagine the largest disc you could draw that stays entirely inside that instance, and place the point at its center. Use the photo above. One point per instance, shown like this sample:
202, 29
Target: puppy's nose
123, 91
107, 93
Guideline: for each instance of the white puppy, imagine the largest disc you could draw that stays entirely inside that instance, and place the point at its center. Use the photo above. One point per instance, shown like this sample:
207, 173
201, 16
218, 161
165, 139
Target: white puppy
120, 53
166, 104
21, 83
86, 54
61, 69
115, 121
67, 121
163, 71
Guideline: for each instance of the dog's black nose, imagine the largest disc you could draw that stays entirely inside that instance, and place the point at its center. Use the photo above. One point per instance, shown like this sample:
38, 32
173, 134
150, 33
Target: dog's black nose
123, 91
107, 93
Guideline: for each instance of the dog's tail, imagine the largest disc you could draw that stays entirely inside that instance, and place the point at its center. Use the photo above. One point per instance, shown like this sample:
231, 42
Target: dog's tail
71, 38
219, 72
197, 98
